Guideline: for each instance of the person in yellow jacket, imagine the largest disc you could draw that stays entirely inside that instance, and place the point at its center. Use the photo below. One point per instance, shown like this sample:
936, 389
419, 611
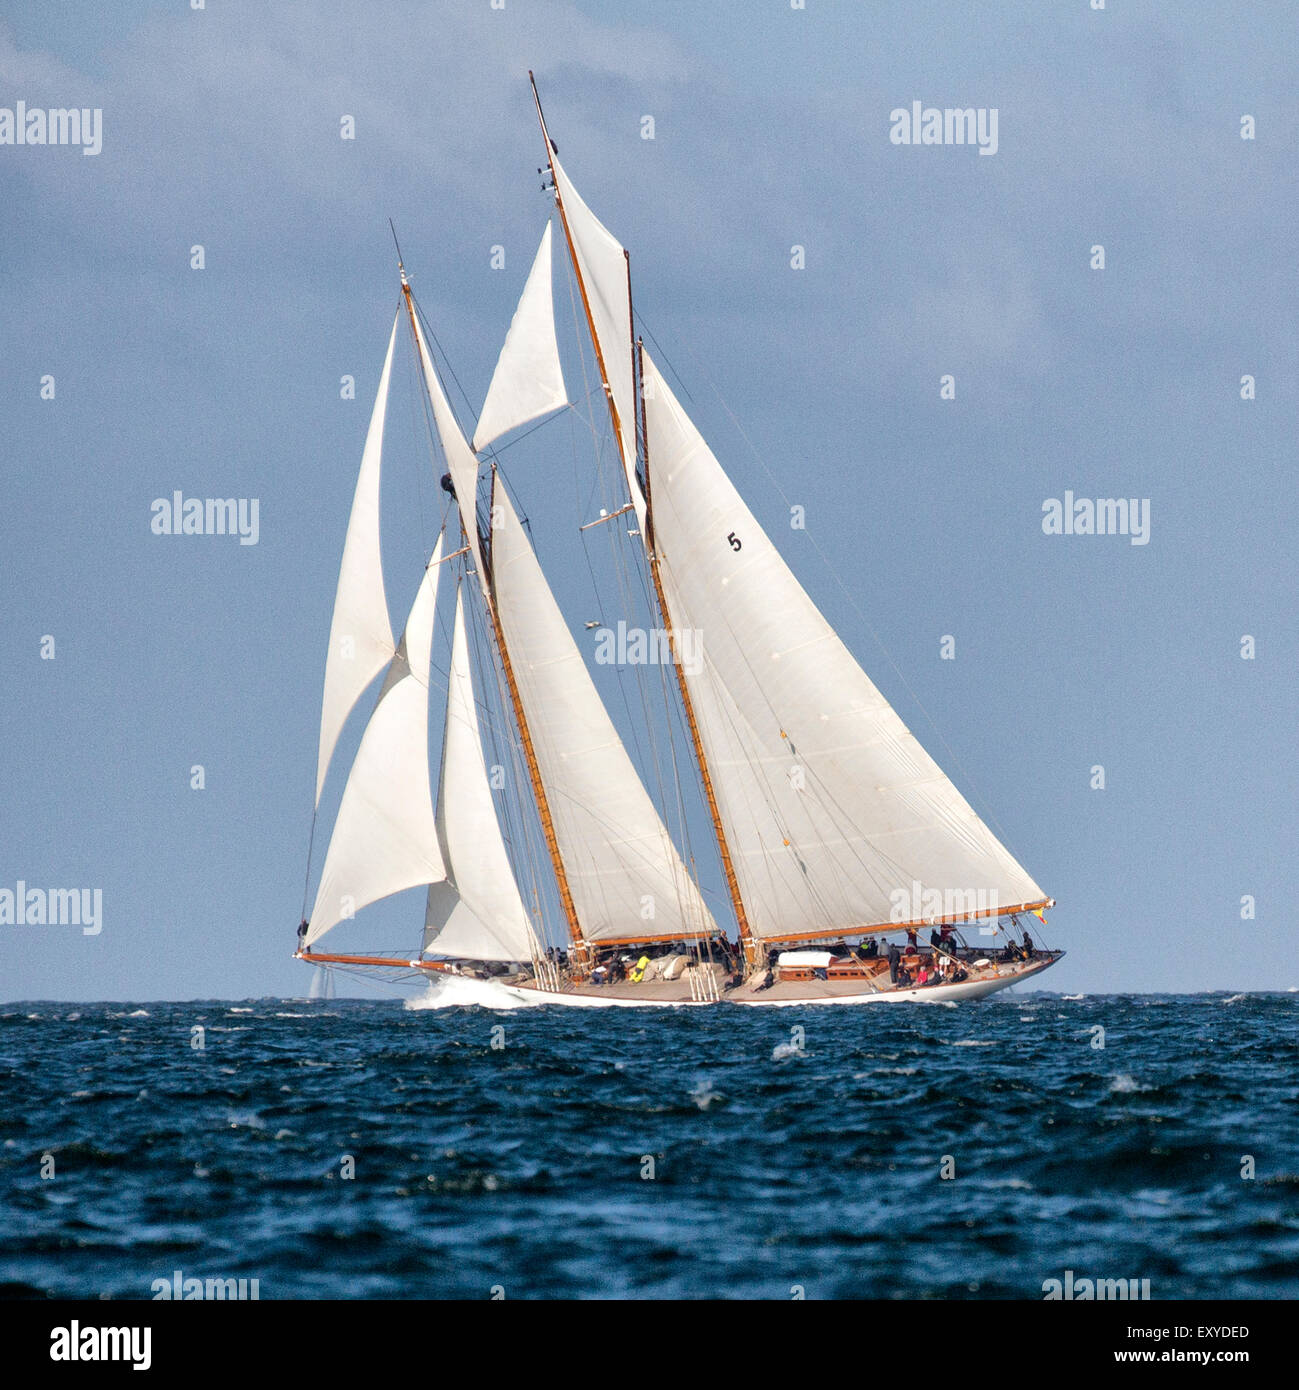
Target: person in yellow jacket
638, 970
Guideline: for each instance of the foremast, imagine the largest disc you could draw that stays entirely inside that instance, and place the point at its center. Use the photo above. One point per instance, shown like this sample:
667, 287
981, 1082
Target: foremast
642, 504
580, 947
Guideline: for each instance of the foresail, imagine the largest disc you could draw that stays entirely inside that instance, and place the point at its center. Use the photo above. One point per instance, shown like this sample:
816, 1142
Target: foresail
360, 635
602, 266
461, 462
528, 380
836, 817
385, 838
625, 875
477, 913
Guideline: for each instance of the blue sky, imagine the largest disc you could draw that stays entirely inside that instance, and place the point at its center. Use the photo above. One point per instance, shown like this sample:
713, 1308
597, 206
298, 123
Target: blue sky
221, 128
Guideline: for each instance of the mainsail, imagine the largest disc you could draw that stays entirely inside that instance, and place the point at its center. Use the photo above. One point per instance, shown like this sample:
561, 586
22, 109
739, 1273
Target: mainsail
360, 636
527, 381
627, 880
606, 292
831, 806
476, 911
384, 837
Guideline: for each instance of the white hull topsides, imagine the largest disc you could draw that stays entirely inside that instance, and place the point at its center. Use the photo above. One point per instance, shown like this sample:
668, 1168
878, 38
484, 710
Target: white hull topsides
446, 990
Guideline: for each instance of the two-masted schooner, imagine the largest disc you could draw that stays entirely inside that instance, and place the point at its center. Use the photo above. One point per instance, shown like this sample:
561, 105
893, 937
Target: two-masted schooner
839, 839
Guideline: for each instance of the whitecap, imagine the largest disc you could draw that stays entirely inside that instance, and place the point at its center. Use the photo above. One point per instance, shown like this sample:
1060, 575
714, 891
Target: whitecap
703, 1094
1125, 1084
786, 1049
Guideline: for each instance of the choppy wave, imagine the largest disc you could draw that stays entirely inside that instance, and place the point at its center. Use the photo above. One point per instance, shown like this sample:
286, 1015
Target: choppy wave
370, 1149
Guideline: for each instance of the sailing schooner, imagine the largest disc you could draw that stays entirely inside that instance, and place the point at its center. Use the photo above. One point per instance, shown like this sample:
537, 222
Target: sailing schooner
834, 829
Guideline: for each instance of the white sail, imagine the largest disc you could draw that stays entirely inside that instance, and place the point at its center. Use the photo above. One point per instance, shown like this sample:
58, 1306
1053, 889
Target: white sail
385, 838
602, 265
360, 636
528, 381
461, 462
835, 816
625, 875
477, 912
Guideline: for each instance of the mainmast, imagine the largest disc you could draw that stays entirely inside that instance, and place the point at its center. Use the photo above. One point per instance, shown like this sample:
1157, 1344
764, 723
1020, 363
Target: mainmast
581, 283
581, 949
747, 940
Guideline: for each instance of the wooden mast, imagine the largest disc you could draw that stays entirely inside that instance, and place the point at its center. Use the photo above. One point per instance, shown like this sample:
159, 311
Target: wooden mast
747, 940
581, 948
581, 284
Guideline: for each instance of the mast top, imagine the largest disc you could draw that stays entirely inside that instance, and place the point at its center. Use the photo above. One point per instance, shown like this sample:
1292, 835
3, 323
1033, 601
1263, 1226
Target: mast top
400, 267
541, 117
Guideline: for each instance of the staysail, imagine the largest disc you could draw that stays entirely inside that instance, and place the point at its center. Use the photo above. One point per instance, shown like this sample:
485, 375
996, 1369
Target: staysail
627, 880
476, 912
528, 381
385, 838
461, 462
602, 272
831, 806
360, 636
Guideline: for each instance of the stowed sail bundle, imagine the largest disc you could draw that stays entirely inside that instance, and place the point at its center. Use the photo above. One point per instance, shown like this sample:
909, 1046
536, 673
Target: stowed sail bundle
360, 637
385, 838
625, 875
830, 803
476, 911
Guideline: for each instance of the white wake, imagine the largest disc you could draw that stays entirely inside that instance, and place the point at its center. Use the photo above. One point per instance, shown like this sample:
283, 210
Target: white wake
459, 991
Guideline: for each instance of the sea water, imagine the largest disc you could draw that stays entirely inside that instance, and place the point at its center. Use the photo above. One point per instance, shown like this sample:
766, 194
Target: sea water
344, 1148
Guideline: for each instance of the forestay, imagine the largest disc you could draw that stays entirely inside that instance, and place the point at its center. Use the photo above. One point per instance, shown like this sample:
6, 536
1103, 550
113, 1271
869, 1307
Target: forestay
360, 635
830, 805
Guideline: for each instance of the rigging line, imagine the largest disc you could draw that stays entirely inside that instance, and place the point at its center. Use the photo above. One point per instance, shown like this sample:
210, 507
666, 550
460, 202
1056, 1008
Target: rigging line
667, 361
493, 450
433, 439
587, 389
527, 834
519, 832
825, 560
315, 811
651, 763
311, 841
599, 482
428, 328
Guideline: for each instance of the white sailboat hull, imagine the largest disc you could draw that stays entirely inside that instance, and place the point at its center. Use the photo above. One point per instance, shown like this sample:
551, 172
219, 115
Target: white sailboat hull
928, 994
457, 991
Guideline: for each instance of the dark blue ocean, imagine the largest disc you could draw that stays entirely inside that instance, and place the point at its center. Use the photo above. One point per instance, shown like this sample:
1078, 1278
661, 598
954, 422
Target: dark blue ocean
778, 1163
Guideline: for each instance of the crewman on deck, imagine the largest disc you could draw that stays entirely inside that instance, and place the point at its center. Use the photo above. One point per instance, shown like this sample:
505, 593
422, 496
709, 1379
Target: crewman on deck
637, 973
